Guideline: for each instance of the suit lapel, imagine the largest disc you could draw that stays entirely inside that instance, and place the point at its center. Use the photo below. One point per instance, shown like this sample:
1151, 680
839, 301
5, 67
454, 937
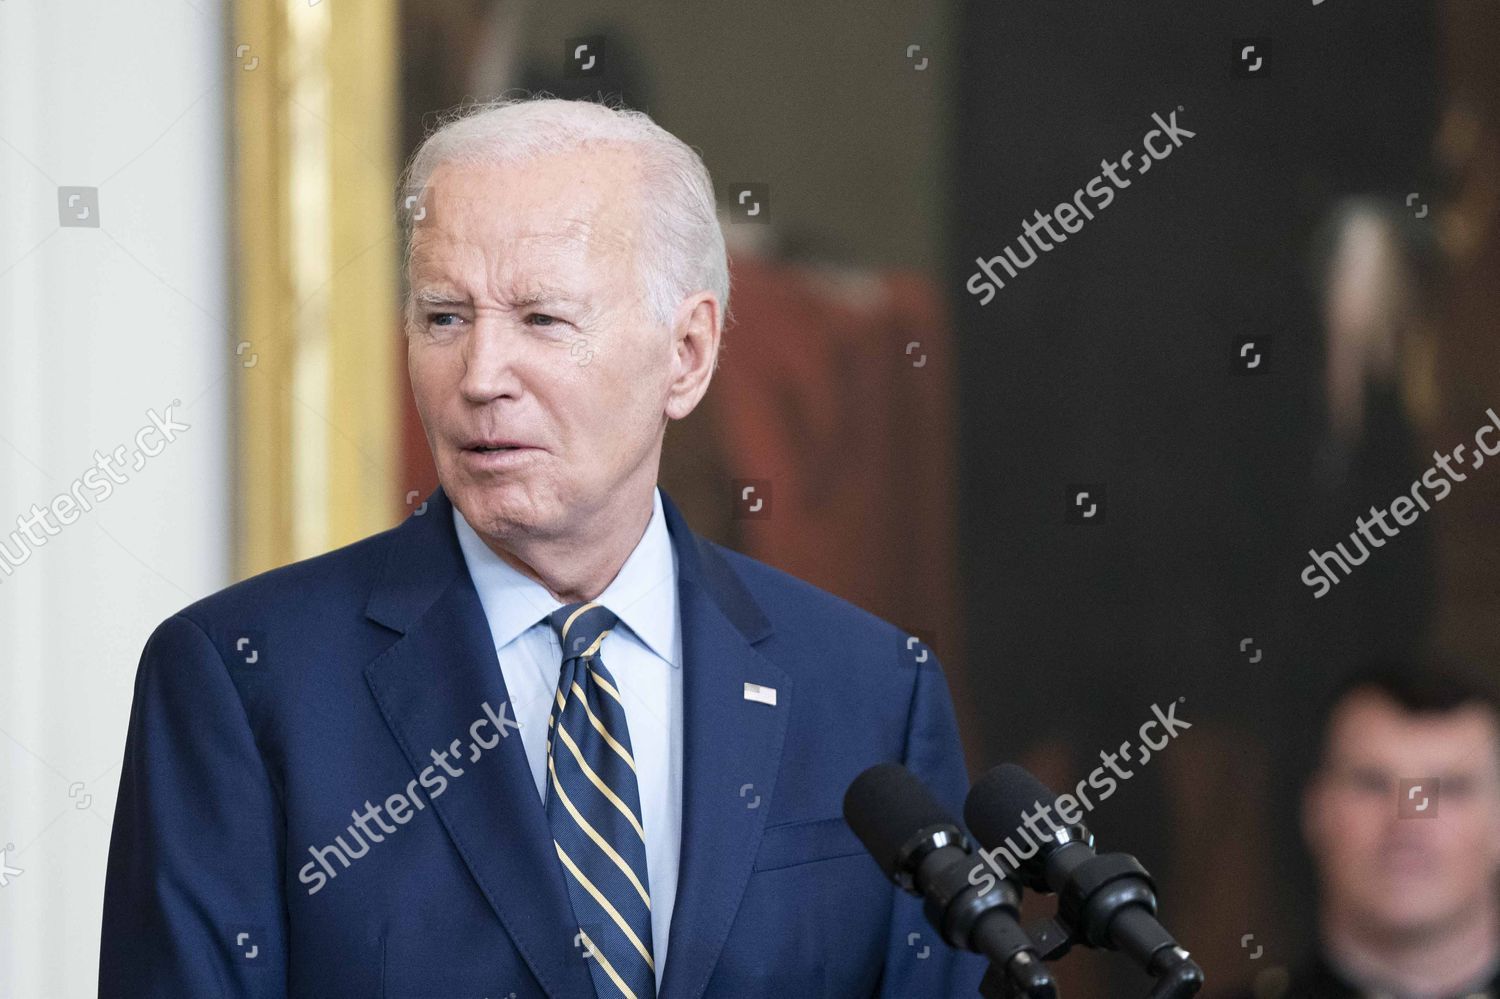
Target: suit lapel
731, 755
431, 685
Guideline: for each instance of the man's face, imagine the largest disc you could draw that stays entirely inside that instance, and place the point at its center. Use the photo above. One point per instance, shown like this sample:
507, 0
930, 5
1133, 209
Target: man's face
528, 327
1386, 861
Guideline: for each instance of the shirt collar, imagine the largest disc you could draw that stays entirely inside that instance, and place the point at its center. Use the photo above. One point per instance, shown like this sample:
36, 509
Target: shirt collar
643, 593
1328, 974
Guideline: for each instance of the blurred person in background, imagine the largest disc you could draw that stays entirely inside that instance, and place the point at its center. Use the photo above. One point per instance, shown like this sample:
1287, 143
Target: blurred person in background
1401, 819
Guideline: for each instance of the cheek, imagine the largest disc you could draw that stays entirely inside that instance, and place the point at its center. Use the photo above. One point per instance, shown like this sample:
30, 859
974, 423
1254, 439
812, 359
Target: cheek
422, 366
435, 375
627, 387
1474, 832
645, 388
1355, 828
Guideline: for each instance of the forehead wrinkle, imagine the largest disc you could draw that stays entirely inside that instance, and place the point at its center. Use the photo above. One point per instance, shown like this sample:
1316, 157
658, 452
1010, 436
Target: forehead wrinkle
517, 267
442, 251
587, 235
571, 230
558, 266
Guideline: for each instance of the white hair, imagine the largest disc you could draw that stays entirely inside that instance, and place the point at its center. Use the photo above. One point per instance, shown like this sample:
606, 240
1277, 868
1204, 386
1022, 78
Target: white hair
684, 245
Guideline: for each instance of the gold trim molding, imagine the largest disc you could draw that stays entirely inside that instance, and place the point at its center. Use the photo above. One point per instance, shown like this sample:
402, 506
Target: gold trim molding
316, 259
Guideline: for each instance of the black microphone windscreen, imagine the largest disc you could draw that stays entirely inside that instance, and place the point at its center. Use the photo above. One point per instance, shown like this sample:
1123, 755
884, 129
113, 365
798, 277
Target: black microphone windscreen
886, 806
997, 803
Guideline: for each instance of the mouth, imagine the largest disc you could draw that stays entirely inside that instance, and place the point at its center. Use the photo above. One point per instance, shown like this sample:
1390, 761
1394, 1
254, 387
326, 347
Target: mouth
489, 457
493, 446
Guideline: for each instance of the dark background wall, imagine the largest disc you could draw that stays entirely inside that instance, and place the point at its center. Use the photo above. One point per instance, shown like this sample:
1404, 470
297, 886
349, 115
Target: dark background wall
1108, 361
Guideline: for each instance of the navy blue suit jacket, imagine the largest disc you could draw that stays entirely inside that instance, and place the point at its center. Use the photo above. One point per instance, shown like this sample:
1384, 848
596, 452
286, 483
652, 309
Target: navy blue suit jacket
267, 713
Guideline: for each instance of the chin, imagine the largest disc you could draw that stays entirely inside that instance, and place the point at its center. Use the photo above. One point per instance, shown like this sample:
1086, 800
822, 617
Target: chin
496, 518
1412, 913
502, 509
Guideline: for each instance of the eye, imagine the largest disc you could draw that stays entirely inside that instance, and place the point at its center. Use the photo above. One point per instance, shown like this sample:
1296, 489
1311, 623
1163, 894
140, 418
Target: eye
542, 319
1369, 782
437, 318
1458, 787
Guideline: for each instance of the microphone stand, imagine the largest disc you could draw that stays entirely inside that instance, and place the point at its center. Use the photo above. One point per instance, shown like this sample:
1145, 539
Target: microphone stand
1115, 887
1177, 975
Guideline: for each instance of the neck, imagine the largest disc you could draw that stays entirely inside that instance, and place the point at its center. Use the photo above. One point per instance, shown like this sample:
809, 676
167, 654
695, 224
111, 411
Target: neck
579, 567
1438, 961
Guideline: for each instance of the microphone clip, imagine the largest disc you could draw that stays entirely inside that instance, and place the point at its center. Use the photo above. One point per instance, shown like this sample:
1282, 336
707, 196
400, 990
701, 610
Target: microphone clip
1114, 892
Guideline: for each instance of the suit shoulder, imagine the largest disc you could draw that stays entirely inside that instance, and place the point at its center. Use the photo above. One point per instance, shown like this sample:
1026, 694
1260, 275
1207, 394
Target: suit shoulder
790, 600
330, 583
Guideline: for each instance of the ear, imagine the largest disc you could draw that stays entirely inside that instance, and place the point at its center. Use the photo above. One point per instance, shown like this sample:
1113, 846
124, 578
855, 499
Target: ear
695, 352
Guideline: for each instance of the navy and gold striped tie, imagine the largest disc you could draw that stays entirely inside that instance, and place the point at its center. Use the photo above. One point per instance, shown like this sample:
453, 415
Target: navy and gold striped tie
594, 809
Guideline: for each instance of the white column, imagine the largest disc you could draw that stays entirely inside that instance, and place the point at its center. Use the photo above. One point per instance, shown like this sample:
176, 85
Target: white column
113, 303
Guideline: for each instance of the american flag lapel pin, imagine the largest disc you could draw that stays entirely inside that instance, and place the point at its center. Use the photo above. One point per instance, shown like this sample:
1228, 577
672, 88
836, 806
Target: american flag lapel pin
764, 695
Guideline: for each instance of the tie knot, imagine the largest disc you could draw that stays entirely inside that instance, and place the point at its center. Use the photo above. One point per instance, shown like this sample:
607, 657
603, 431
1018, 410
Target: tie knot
581, 626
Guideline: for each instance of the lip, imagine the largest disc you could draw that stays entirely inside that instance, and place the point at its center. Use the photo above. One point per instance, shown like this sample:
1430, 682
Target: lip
499, 460
474, 442
1408, 858
1420, 868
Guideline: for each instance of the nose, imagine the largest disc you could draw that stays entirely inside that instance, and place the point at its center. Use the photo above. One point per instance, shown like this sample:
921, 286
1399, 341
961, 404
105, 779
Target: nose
490, 357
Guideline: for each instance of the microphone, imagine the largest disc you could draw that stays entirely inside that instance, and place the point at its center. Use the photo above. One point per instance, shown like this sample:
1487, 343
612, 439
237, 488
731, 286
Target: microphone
1107, 900
921, 849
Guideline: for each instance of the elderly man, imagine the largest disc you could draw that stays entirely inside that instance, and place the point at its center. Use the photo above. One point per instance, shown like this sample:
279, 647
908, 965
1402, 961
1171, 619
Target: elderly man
540, 739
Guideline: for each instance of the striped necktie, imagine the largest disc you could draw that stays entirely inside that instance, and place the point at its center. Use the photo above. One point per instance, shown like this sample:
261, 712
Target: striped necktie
594, 809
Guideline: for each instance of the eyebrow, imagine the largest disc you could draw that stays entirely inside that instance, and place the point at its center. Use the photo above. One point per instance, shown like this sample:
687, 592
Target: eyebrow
430, 297
539, 296
536, 296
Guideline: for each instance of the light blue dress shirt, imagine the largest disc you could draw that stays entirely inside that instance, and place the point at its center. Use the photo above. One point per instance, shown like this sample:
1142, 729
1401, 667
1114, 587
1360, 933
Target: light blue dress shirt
645, 657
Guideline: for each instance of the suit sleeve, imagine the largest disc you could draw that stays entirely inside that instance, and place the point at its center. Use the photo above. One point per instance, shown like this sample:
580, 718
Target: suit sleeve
194, 899
918, 961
